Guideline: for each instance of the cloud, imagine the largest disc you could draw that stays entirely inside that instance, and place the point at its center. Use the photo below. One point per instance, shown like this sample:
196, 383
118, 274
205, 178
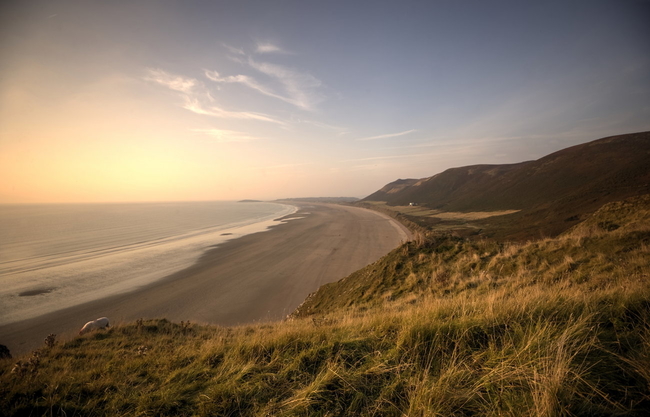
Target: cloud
390, 135
173, 82
298, 87
224, 136
437, 155
194, 95
195, 106
338, 129
267, 47
245, 80
234, 50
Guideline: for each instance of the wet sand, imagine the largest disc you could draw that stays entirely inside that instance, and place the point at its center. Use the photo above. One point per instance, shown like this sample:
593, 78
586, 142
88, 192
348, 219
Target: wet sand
258, 277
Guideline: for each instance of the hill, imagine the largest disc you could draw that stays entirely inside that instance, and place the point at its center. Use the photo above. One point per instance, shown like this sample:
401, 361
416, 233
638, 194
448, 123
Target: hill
444, 265
441, 326
542, 197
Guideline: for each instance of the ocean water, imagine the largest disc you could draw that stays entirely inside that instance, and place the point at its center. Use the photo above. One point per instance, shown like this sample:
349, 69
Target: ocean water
59, 255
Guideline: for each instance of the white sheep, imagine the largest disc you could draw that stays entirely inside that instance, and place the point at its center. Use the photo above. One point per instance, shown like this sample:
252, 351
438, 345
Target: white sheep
95, 324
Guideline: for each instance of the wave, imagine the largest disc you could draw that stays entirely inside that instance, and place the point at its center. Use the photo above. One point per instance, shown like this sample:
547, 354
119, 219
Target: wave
97, 261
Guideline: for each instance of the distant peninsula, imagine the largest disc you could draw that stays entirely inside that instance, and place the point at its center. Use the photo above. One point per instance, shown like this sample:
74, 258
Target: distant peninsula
250, 201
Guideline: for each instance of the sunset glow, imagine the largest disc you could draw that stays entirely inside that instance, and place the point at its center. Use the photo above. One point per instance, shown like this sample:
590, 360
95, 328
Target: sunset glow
170, 101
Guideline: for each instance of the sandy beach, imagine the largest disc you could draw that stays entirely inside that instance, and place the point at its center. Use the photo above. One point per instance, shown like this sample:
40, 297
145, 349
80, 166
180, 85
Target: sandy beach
258, 277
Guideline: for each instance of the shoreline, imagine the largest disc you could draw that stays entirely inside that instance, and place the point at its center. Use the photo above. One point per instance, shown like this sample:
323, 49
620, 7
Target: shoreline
257, 277
101, 271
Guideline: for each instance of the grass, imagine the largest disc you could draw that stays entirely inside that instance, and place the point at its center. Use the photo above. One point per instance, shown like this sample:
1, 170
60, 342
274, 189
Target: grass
440, 327
422, 218
423, 211
611, 247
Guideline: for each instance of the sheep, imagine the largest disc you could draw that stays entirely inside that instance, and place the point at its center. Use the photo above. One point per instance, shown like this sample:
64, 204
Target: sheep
95, 324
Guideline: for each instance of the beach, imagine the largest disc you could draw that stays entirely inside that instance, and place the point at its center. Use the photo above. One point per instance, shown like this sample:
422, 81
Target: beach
258, 277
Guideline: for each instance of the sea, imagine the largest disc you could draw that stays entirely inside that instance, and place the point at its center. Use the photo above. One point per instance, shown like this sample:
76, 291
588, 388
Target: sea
54, 256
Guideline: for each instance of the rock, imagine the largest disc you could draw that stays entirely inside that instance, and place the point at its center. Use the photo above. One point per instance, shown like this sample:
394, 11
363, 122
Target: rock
4, 352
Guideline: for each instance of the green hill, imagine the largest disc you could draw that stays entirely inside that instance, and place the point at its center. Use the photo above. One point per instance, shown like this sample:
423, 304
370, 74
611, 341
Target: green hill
441, 326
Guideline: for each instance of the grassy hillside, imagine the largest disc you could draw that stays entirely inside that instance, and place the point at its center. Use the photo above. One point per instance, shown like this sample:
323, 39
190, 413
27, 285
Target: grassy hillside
550, 194
441, 326
606, 248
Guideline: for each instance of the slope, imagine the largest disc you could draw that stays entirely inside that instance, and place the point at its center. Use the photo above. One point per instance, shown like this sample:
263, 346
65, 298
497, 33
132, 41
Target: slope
551, 194
444, 327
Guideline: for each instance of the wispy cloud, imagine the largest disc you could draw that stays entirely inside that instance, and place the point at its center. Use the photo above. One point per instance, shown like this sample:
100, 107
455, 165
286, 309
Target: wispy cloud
195, 106
413, 157
194, 96
267, 47
298, 88
468, 139
173, 82
389, 135
234, 50
339, 130
247, 81
224, 136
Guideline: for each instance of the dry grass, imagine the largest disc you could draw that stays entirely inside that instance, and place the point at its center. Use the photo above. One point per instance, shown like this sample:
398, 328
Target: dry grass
542, 353
584, 258
440, 328
422, 211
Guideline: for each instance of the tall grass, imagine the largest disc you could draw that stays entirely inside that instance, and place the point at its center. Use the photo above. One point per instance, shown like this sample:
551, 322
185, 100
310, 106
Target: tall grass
611, 247
542, 353
442, 328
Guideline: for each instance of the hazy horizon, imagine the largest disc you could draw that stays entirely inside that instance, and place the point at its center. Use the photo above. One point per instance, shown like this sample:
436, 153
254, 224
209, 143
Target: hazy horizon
154, 101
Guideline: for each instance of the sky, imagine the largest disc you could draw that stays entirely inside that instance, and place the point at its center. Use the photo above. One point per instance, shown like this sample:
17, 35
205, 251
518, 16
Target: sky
116, 101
